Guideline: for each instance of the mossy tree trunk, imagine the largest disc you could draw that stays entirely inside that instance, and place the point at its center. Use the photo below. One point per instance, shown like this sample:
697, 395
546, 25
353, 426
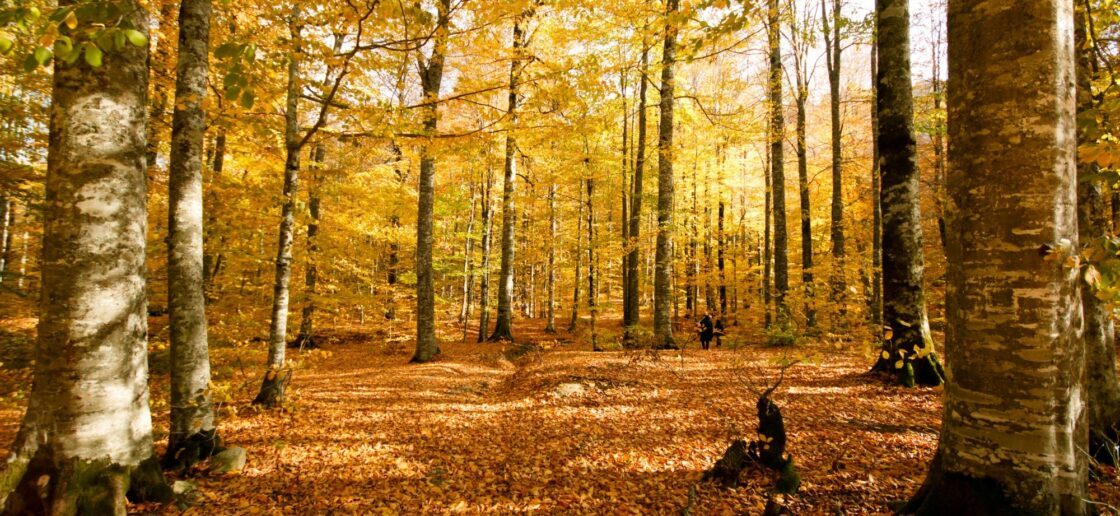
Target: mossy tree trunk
908, 350
85, 442
777, 165
1013, 434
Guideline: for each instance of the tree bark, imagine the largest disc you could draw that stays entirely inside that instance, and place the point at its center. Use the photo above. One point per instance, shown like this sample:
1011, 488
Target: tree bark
7, 228
663, 275
271, 393
85, 442
1093, 222
592, 264
306, 337
767, 245
908, 349
579, 260
876, 206
1013, 434
551, 326
487, 237
833, 51
503, 328
468, 262
193, 434
431, 77
801, 76
633, 258
777, 167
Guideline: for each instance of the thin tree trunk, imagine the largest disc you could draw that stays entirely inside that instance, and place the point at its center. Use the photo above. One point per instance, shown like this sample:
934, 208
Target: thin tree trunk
272, 387
306, 337
87, 432
7, 207
624, 215
663, 276
876, 206
431, 77
213, 257
579, 244
193, 434
777, 167
503, 329
592, 263
908, 349
487, 237
832, 59
551, 327
468, 263
801, 74
1013, 435
767, 245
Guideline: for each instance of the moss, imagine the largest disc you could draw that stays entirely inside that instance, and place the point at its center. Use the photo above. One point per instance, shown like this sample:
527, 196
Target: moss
78, 486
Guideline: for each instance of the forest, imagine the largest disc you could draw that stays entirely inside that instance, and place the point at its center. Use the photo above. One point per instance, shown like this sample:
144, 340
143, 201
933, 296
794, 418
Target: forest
559, 256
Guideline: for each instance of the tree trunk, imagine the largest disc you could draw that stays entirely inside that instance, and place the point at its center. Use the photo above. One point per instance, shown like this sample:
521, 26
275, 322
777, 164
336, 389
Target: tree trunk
908, 351
579, 261
551, 327
876, 206
85, 442
503, 329
1093, 222
767, 245
777, 167
431, 76
663, 275
193, 434
272, 388
1013, 434
803, 186
306, 337
468, 262
833, 51
592, 265
212, 259
487, 237
7, 206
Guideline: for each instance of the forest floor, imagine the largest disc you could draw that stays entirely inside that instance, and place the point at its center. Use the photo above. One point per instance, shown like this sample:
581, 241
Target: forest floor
557, 430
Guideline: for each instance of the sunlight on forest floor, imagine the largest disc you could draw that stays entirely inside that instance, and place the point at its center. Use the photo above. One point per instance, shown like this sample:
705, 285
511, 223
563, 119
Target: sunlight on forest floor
560, 430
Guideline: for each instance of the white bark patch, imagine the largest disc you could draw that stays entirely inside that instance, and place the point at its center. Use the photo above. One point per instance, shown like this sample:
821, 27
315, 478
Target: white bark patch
102, 125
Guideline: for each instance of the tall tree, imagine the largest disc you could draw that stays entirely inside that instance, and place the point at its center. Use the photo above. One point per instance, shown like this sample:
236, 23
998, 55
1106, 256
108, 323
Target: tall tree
876, 205
777, 165
550, 327
1093, 223
908, 350
833, 50
85, 442
801, 41
663, 275
306, 337
272, 387
578, 256
633, 258
592, 259
431, 77
193, 434
487, 238
1012, 436
503, 329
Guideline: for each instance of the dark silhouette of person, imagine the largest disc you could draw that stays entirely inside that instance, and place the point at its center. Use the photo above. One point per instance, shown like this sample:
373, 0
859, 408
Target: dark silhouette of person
718, 331
706, 331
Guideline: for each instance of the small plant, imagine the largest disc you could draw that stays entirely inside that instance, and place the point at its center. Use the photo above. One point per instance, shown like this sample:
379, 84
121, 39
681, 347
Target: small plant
782, 337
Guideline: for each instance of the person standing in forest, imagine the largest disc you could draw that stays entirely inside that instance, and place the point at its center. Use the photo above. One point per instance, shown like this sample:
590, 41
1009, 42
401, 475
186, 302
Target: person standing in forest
706, 330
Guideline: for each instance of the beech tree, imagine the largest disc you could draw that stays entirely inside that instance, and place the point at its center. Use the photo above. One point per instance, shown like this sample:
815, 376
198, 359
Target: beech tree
193, 434
1013, 434
85, 443
908, 350
663, 277
777, 165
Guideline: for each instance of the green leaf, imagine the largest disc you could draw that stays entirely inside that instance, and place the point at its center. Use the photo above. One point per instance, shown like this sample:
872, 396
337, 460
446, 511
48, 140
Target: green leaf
247, 99
93, 55
30, 63
136, 37
226, 50
118, 40
63, 47
6, 44
42, 55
